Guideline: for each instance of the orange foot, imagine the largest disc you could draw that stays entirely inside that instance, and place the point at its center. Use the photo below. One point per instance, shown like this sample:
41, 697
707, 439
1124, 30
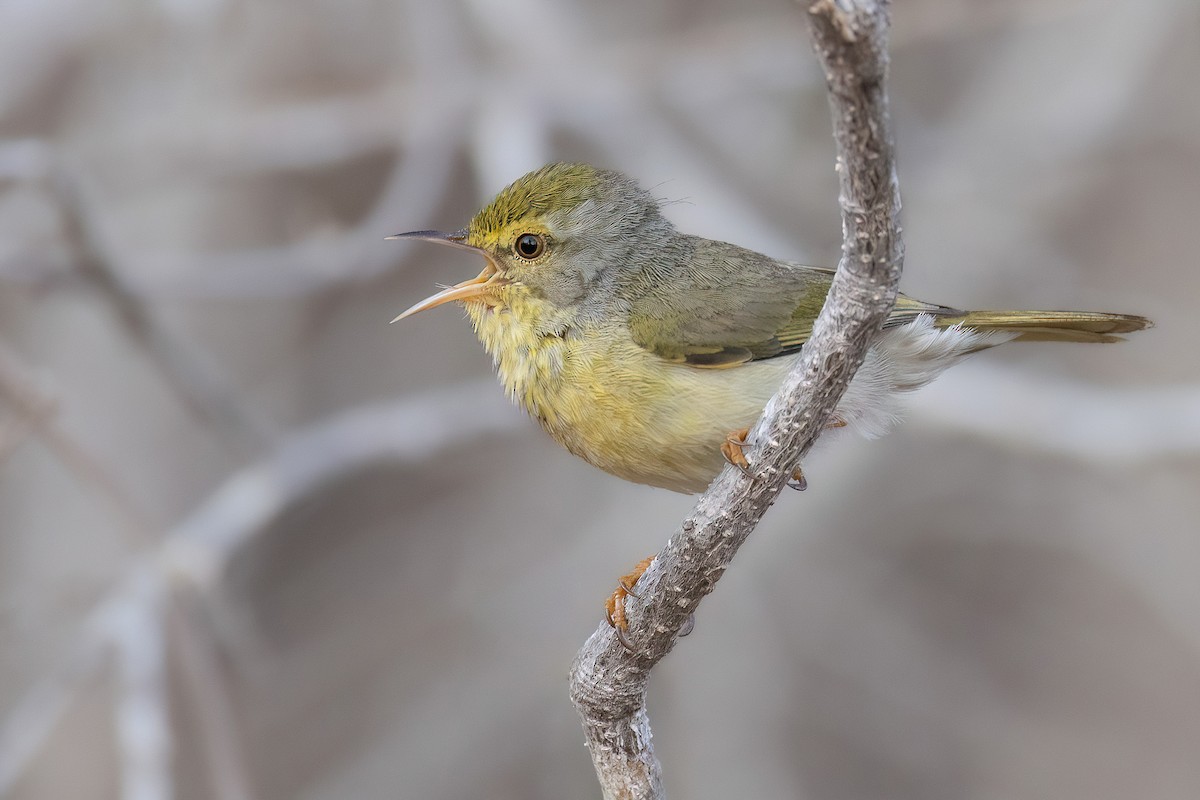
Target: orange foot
798, 481
614, 606
733, 449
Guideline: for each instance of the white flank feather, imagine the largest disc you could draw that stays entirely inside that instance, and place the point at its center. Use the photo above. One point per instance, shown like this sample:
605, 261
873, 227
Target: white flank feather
906, 358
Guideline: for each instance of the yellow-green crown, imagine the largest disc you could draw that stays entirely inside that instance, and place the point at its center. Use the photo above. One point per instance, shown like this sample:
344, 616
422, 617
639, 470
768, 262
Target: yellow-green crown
555, 188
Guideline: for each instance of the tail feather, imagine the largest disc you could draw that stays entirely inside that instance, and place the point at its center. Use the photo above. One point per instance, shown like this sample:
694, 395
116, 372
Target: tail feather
1050, 326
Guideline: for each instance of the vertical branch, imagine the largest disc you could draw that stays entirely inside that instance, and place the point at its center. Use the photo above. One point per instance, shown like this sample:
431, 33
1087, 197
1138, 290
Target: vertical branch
608, 684
143, 727
201, 674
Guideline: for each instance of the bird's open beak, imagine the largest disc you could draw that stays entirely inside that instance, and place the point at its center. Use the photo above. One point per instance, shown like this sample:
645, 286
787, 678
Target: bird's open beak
467, 290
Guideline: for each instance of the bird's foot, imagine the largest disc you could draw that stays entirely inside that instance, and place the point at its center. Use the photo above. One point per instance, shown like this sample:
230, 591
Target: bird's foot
798, 481
733, 449
614, 606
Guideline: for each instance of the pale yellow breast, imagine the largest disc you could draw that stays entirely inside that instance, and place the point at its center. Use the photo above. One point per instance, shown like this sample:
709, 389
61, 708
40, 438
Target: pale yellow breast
622, 408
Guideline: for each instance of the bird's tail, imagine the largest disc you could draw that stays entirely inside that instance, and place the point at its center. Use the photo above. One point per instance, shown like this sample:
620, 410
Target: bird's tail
1050, 326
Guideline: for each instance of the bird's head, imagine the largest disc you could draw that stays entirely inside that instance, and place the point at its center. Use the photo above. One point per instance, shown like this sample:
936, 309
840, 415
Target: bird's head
550, 237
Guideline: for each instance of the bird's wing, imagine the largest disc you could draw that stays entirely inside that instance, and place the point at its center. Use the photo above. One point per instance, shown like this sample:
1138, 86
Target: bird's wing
731, 306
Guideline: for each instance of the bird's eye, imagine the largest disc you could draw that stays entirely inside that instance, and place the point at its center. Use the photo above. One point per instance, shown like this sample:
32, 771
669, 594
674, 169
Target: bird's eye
529, 246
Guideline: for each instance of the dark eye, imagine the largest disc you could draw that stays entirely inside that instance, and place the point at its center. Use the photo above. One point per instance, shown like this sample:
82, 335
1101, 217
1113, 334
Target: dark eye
529, 246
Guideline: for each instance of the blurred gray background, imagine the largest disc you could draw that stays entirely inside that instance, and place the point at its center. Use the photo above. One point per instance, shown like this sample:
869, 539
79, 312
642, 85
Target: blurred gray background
256, 543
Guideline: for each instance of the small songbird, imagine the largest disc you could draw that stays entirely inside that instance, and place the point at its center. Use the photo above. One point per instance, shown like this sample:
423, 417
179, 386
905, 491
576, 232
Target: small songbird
649, 352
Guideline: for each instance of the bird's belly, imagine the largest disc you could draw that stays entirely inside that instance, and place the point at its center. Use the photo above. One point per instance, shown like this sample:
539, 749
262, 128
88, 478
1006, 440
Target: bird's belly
682, 431
623, 409
642, 419
638, 417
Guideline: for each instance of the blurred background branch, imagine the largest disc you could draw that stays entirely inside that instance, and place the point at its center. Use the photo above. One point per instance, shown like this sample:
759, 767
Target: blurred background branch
132, 621
34, 411
195, 381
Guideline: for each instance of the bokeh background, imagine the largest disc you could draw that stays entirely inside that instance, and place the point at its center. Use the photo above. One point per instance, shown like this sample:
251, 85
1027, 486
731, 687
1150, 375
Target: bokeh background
256, 543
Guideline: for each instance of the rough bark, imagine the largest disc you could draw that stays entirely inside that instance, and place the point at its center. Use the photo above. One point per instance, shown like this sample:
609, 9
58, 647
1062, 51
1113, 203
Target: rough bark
608, 683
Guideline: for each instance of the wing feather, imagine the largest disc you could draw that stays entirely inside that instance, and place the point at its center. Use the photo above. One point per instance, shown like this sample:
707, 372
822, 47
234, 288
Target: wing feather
730, 306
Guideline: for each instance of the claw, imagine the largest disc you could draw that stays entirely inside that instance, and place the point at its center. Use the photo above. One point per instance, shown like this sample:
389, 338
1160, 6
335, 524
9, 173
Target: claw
614, 606
688, 626
798, 481
732, 448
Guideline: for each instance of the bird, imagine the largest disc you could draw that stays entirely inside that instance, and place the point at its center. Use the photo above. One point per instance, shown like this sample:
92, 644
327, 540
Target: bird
650, 352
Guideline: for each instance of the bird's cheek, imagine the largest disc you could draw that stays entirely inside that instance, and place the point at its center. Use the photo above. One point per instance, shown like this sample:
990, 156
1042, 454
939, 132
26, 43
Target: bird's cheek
563, 289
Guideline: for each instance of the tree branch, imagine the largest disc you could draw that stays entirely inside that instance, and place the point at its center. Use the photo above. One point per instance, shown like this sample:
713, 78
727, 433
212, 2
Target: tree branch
608, 684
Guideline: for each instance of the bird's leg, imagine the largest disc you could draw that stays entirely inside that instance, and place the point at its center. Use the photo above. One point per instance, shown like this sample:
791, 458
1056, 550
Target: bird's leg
614, 606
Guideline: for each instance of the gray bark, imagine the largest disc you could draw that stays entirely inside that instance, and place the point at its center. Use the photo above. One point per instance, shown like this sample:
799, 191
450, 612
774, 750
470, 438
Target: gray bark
608, 683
